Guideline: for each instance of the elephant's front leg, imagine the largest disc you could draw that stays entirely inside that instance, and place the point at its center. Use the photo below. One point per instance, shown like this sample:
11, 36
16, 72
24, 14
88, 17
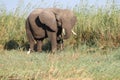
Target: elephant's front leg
53, 40
60, 44
39, 45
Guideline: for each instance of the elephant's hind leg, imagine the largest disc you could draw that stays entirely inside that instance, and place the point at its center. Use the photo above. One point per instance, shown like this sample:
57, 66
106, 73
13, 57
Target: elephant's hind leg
30, 36
39, 45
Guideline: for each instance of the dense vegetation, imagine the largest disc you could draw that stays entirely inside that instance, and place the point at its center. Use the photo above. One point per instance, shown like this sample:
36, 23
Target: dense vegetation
91, 55
96, 27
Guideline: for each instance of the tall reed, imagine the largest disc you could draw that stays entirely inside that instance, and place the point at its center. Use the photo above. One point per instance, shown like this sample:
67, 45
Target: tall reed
98, 26
95, 27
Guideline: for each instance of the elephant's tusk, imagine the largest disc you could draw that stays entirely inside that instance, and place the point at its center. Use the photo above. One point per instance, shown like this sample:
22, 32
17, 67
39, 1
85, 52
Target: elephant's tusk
74, 33
63, 31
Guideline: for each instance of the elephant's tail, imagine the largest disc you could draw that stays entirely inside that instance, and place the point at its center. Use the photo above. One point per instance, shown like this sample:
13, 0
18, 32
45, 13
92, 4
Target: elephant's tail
29, 31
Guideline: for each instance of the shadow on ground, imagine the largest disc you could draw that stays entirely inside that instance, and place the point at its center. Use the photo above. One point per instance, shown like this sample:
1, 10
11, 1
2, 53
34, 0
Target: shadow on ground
14, 45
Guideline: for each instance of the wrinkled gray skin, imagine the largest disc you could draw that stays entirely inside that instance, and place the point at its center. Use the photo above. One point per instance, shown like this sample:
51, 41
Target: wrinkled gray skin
43, 23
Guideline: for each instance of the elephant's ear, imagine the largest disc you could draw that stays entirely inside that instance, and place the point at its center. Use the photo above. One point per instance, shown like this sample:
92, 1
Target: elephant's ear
58, 20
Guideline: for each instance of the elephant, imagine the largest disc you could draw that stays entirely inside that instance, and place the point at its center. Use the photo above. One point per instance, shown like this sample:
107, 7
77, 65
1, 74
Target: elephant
49, 23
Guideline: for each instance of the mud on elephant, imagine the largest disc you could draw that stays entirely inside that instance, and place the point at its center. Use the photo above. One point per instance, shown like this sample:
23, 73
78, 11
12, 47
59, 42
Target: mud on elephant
50, 22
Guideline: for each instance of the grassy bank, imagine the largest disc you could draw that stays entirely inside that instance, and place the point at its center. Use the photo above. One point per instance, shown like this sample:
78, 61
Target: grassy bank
66, 65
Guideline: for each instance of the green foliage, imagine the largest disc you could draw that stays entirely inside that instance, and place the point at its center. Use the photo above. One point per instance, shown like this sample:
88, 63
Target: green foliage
12, 28
98, 27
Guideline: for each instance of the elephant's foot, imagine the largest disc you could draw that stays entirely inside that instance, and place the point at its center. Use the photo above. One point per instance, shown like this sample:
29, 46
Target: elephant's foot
53, 51
60, 46
30, 50
39, 51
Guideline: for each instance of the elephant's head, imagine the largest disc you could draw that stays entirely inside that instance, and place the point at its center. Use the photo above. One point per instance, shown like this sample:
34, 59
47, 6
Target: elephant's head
68, 26
66, 19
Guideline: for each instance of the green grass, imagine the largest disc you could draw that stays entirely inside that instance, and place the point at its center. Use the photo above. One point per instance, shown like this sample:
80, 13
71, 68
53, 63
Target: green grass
66, 65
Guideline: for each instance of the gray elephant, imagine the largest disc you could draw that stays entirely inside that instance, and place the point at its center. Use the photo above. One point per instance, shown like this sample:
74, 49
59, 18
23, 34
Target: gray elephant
50, 22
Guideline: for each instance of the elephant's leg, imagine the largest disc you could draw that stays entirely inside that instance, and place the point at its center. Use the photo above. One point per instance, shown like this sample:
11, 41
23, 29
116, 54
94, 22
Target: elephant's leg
32, 43
30, 37
53, 40
60, 44
39, 45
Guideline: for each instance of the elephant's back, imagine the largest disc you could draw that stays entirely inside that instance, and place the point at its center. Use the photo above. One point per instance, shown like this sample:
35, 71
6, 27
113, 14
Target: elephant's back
36, 11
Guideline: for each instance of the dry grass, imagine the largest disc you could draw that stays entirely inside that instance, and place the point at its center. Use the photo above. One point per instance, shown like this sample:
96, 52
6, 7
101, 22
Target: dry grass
67, 65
